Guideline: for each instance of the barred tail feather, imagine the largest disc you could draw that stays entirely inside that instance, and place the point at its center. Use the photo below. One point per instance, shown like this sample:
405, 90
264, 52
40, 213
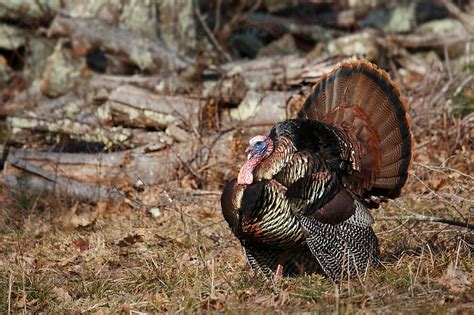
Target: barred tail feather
361, 99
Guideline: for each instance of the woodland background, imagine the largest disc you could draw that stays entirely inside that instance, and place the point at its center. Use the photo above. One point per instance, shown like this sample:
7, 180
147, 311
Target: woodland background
121, 120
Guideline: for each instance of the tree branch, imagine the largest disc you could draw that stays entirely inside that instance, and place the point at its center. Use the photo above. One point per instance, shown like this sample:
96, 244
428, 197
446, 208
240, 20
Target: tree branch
424, 218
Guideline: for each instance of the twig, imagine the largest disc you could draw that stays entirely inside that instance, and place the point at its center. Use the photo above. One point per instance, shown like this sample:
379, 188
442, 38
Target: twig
209, 33
10, 285
217, 24
441, 168
235, 20
463, 85
424, 218
190, 232
466, 19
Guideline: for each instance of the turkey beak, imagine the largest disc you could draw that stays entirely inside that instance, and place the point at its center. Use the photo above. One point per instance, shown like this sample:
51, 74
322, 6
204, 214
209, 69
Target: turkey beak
249, 152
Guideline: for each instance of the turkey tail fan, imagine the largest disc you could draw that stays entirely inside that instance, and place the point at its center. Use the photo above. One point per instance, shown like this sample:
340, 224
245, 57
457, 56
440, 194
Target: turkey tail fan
361, 101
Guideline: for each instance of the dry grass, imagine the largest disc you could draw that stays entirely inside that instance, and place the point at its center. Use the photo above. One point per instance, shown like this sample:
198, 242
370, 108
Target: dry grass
187, 260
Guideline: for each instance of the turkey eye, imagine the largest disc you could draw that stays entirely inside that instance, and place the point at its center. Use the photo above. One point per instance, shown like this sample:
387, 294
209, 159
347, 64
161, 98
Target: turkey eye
259, 145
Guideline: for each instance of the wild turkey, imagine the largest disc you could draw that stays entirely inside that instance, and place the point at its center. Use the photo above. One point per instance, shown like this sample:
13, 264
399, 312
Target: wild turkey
299, 204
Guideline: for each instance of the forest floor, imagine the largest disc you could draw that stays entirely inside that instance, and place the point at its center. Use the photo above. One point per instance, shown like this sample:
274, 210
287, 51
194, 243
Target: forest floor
60, 256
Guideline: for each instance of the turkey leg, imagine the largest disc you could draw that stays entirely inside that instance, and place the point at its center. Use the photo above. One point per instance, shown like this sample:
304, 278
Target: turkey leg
280, 264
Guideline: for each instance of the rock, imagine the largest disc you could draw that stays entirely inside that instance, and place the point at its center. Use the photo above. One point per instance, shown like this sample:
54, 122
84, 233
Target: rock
39, 49
5, 72
178, 25
397, 18
283, 46
134, 15
63, 72
177, 133
362, 44
30, 11
11, 37
155, 212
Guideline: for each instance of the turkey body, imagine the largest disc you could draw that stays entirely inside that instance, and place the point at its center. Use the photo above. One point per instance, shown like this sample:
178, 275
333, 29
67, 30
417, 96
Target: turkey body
300, 202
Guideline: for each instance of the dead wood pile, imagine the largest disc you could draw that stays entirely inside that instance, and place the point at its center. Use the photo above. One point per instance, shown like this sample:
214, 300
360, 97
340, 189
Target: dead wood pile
98, 96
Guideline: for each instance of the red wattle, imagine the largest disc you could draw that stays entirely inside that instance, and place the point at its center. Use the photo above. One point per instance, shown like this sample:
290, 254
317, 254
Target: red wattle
245, 175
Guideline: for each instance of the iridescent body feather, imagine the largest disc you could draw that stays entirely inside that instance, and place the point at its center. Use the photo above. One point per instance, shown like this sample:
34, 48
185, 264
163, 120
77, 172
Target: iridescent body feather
300, 203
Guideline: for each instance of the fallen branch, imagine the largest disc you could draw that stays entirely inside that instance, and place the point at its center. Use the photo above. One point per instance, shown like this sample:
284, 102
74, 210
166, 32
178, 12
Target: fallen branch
109, 136
429, 40
28, 176
424, 218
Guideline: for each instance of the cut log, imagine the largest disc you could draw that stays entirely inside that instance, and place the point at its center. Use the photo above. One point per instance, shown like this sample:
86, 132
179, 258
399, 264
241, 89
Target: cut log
280, 73
109, 136
262, 109
363, 44
64, 106
112, 82
90, 34
135, 107
95, 177
230, 89
438, 33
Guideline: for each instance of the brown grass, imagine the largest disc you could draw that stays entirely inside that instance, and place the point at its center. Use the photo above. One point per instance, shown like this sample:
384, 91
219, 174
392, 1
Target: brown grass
186, 260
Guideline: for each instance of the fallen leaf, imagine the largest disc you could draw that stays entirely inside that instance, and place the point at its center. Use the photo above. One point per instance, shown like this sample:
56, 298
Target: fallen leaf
61, 294
80, 217
81, 244
130, 240
455, 279
20, 302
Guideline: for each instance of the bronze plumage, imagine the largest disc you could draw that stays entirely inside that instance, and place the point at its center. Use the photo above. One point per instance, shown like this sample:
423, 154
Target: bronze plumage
300, 202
